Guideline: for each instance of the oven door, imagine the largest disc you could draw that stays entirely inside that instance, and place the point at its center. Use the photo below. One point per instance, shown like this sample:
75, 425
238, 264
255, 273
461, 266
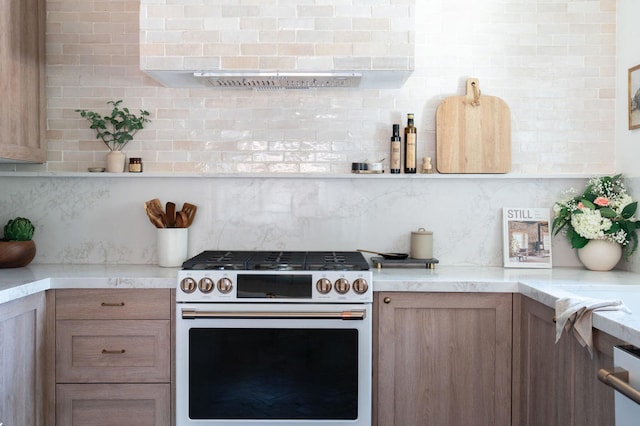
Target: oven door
273, 364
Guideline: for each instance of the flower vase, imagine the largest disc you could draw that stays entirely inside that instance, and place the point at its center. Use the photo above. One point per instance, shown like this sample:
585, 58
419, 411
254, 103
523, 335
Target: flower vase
115, 161
600, 255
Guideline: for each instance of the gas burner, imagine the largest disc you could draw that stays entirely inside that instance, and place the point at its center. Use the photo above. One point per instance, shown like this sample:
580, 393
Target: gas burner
336, 261
278, 261
218, 260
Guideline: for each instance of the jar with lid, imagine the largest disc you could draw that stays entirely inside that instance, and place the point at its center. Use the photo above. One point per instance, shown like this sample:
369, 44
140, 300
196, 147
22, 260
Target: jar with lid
422, 244
135, 165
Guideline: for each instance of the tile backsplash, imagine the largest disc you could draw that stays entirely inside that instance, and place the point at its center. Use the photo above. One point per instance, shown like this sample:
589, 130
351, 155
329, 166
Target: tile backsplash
552, 62
101, 220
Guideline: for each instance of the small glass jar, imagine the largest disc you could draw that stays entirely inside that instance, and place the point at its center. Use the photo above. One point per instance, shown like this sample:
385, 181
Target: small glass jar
135, 165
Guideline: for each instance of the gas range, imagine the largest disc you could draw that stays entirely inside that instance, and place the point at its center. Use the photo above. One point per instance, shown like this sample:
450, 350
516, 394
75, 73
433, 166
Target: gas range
276, 276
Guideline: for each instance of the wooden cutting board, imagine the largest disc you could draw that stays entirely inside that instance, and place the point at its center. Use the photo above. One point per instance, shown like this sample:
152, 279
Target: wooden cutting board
473, 133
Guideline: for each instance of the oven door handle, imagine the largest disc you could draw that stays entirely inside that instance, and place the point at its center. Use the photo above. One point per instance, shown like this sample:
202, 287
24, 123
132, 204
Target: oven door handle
342, 315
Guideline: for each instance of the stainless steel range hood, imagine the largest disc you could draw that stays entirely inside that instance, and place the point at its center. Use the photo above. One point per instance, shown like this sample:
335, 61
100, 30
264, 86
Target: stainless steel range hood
268, 44
263, 80
279, 81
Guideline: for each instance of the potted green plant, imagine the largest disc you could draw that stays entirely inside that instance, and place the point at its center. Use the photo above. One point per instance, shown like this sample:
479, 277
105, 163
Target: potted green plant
116, 130
17, 249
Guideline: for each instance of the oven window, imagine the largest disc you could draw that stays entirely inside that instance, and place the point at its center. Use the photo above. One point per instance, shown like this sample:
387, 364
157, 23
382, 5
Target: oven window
257, 373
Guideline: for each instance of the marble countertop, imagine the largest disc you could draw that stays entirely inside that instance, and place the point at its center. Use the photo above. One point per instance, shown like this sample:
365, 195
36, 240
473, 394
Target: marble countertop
543, 285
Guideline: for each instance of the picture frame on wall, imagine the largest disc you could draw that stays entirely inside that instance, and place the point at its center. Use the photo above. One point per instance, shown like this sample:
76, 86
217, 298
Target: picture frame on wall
526, 237
634, 97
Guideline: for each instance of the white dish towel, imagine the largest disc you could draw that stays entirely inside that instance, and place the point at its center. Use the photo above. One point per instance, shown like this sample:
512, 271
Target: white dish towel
576, 313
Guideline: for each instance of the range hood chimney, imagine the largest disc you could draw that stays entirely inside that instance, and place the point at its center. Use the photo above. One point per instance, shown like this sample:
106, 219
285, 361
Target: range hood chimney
270, 44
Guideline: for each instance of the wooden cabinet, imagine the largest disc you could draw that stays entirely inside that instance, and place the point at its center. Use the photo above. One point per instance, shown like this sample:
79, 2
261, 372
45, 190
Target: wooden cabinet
22, 81
113, 404
556, 384
113, 357
22, 361
442, 359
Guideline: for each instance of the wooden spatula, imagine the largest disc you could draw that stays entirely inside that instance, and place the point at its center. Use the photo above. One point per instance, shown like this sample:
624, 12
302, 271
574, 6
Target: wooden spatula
170, 211
190, 210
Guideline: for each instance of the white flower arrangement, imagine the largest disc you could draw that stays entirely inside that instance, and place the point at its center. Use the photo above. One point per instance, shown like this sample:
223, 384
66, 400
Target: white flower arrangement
604, 211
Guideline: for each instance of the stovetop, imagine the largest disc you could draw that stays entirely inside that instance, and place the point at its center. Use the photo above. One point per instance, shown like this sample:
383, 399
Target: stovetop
278, 261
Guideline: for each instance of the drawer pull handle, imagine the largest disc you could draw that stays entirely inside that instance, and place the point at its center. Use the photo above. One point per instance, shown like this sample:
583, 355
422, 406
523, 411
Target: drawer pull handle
618, 378
117, 352
112, 304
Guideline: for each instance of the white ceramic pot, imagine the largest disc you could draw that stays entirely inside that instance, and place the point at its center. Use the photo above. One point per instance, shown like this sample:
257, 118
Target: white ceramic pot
172, 246
600, 255
115, 161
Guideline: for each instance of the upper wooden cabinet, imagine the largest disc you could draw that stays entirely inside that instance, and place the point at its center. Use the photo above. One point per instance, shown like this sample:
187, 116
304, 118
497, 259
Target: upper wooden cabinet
22, 81
442, 359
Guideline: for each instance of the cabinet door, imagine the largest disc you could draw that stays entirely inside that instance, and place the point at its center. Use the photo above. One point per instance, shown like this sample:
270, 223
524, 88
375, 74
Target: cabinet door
22, 81
540, 389
556, 384
113, 404
113, 351
443, 359
593, 402
22, 361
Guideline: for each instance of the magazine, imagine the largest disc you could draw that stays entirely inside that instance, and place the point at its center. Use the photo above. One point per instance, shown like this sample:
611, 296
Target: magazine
526, 237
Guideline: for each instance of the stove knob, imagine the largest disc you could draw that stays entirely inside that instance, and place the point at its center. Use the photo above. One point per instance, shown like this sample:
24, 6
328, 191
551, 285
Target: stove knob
360, 286
342, 285
323, 286
206, 285
188, 285
224, 285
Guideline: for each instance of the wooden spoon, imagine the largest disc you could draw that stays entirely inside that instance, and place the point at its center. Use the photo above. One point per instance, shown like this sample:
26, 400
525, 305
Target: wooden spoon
153, 217
170, 211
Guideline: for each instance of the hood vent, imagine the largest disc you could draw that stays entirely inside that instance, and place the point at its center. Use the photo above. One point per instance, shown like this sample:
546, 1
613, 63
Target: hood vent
275, 80
276, 44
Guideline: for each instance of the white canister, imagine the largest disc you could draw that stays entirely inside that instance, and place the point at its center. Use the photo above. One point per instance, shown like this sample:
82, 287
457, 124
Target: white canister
422, 244
172, 246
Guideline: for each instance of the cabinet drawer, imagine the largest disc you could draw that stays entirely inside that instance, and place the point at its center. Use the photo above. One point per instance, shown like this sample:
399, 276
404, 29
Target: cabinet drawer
113, 405
113, 351
113, 304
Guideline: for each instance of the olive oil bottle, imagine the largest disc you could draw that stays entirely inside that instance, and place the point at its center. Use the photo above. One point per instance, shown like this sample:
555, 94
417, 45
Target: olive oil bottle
410, 145
396, 146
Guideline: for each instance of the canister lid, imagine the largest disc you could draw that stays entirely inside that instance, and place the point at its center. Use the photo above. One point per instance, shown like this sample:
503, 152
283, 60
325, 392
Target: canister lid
421, 231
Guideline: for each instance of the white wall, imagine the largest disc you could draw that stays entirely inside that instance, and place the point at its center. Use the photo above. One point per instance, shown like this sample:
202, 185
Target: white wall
628, 55
553, 62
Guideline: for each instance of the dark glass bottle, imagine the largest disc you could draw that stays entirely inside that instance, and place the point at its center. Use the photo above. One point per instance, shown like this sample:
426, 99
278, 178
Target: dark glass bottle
410, 145
396, 146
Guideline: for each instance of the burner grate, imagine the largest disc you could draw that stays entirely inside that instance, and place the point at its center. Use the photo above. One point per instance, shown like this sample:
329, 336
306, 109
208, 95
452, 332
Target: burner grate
279, 260
337, 261
236, 260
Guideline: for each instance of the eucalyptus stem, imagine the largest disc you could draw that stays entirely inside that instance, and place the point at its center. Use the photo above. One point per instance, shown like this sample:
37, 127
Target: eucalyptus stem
117, 129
